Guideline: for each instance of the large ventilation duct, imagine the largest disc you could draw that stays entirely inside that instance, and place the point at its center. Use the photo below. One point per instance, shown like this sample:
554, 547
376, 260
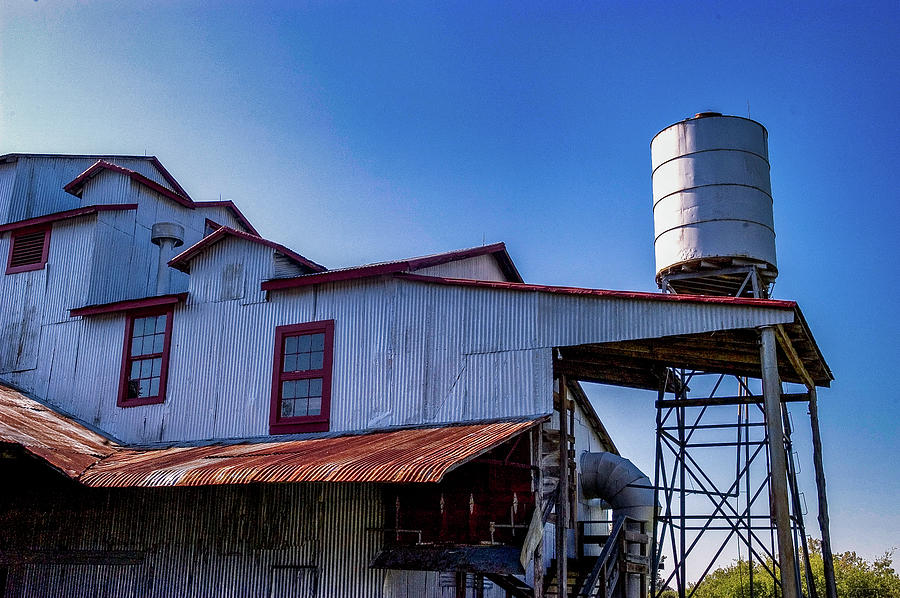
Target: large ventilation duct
627, 490
620, 483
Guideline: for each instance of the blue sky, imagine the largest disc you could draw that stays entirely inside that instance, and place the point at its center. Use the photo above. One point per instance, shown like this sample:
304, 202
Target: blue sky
361, 132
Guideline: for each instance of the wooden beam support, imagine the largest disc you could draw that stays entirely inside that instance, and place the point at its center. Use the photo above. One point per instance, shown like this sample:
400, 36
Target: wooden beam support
562, 504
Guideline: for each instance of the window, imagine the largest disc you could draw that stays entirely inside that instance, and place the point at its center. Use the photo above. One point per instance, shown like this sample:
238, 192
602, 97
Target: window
28, 250
145, 357
301, 378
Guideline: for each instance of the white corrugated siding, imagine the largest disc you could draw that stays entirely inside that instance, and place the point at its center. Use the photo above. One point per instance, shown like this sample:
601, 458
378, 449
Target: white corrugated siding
7, 179
405, 352
39, 182
481, 267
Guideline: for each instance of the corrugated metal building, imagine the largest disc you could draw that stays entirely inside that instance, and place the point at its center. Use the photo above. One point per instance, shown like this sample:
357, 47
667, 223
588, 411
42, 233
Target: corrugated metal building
386, 430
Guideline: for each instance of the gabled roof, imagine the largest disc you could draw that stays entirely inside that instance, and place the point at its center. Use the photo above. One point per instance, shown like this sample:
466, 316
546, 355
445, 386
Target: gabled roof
497, 250
77, 184
411, 455
182, 260
152, 159
57, 216
227, 203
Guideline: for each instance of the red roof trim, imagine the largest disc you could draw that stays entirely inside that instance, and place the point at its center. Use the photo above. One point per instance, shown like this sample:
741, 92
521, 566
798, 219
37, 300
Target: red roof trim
498, 249
514, 286
169, 178
128, 305
227, 203
55, 217
181, 260
75, 185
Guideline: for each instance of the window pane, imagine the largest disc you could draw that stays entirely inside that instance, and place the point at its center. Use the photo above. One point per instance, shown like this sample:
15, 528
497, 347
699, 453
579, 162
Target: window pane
315, 360
147, 325
302, 388
146, 345
158, 342
160, 323
302, 362
288, 389
146, 367
154, 387
145, 388
287, 408
317, 342
315, 387
300, 407
290, 363
304, 343
135, 346
135, 370
133, 389
157, 366
290, 344
315, 407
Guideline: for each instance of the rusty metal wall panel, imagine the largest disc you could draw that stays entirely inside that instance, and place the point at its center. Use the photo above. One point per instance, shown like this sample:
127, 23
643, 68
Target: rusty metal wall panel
482, 267
224, 541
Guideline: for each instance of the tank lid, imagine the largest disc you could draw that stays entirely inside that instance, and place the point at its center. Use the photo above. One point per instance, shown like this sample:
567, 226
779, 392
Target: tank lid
706, 115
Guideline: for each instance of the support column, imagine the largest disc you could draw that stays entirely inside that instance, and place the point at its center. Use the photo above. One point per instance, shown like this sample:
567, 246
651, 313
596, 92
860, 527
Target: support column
778, 505
537, 476
824, 525
562, 503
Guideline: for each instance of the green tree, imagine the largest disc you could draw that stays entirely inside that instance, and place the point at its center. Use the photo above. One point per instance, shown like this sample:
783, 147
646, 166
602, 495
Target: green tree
855, 578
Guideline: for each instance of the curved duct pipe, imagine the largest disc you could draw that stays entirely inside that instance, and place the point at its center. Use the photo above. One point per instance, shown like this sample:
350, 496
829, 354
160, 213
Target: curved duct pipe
623, 486
620, 483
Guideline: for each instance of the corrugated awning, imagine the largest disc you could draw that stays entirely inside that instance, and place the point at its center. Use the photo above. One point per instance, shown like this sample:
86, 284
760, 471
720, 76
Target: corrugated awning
418, 455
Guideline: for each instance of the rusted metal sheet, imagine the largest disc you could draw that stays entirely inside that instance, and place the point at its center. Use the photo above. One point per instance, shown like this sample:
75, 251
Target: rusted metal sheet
60, 441
400, 456
396, 456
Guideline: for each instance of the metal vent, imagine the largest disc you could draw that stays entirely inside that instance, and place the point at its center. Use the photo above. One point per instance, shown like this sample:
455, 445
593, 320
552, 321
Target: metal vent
28, 248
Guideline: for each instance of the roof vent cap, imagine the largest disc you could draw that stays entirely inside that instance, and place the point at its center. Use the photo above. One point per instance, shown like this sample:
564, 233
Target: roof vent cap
167, 231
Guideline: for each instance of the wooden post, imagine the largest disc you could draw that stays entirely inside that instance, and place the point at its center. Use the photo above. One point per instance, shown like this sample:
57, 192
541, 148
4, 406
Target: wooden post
460, 584
562, 503
824, 525
538, 559
778, 506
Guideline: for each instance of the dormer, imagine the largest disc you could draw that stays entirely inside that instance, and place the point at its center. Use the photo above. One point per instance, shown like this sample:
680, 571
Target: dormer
230, 264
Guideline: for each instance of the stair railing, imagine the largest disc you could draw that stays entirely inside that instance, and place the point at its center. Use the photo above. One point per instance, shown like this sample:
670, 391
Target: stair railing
608, 577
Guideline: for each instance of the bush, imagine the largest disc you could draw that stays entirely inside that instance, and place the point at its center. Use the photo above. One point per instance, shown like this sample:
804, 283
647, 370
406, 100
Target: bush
855, 578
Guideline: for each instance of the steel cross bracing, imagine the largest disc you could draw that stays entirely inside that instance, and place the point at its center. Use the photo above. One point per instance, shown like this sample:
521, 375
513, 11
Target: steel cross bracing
712, 483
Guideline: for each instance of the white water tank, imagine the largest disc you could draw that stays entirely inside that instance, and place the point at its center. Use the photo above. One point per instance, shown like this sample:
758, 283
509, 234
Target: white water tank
712, 198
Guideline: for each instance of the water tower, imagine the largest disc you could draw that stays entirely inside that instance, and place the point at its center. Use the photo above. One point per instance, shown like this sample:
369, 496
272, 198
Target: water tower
714, 235
712, 207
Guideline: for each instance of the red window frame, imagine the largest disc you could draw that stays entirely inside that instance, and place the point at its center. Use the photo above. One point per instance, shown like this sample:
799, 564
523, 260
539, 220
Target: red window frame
307, 423
45, 251
128, 359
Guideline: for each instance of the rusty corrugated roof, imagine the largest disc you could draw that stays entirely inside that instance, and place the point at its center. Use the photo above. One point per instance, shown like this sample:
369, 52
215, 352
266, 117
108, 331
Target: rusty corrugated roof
394, 456
59, 440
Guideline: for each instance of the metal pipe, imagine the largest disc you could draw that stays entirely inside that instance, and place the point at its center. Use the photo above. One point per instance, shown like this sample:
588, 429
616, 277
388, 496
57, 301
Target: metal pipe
778, 506
562, 503
168, 236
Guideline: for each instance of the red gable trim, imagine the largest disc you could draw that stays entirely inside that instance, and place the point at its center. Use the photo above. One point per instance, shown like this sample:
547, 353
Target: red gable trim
181, 260
50, 218
169, 178
513, 286
75, 185
227, 203
497, 249
117, 306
